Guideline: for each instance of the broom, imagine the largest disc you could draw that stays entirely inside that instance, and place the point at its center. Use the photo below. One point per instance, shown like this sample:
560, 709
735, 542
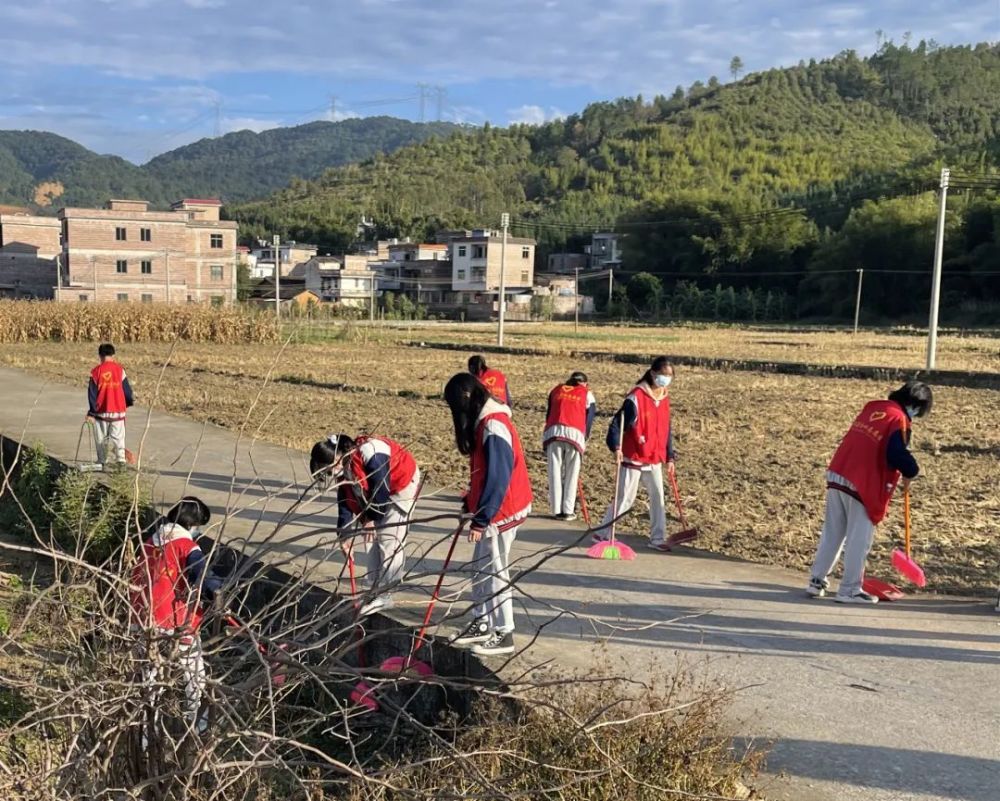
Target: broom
687, 533
903, 562
610, 549
361, 694
583, 502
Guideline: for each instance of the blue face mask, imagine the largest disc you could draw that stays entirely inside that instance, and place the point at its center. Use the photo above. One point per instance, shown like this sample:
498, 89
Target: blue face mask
663, 381
912, 411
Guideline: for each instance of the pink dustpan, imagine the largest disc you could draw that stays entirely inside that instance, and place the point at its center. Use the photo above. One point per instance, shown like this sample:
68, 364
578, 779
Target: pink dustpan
901, 560
362, 696
883, 590
398, 664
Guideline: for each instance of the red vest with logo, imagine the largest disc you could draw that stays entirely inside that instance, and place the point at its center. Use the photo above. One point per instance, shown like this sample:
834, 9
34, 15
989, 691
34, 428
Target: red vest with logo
160, 592
518, 497
861, 456
402, 468
109, 378
646, 441
567, 420
496, 383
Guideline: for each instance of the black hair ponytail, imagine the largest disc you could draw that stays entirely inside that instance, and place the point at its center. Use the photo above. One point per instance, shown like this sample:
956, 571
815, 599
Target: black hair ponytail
465, 396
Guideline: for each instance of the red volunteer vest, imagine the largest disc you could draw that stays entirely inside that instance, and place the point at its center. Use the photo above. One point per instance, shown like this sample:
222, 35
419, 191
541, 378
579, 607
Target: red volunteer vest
567, 420
160, 592
402, 468
861, 456
646, 441
496, 383
110, 394
518, 497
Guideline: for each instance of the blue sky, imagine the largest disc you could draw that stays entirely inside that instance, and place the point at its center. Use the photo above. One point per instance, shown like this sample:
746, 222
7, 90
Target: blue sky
139, 77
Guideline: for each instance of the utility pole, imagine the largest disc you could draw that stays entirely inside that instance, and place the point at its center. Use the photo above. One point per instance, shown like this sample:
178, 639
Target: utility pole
611, 285
371, 299
423, 100
93, 270
276, 244
936, 285
857, 303
576, 300
504, 223
166, 271
440, 93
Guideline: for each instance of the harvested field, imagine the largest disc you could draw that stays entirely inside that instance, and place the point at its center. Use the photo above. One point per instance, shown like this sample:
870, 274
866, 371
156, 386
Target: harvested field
752, 447
902, 348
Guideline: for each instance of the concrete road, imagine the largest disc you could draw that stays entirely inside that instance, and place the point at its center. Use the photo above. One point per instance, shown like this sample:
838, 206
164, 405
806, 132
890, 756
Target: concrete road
894, 702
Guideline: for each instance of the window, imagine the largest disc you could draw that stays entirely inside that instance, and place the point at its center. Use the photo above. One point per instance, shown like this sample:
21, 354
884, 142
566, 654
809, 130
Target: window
146, 234
479, 251
218, 300
217, 272
122, 266
123, 297
147, 298
461, 275
120, 234
525, 253
265, 255
216, 241
461, 250
190, 298
146, 267
524, 277
84, 298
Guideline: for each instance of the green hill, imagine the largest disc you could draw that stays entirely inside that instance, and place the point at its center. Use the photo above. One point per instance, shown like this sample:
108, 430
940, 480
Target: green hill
701, 182
45, 170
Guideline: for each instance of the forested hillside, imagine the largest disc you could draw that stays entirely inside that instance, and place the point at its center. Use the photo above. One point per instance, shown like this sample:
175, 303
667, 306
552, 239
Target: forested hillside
808, 172
48, 171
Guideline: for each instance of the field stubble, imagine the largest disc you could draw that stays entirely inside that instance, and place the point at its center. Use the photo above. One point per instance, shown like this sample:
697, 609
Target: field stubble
752, 448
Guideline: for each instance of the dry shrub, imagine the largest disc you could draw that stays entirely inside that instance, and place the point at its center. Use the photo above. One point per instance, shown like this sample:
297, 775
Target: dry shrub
583, 741
26, 321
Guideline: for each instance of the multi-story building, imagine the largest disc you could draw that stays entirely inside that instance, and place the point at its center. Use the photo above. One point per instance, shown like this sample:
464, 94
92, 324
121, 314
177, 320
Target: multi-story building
124, 252
605, 251
346, 280
568, 262
29, 255
476, 259
417, 251
293, 256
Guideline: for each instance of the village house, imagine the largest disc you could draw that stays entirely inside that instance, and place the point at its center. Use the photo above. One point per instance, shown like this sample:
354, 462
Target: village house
125, 252
29, 254
292, 255
346, 280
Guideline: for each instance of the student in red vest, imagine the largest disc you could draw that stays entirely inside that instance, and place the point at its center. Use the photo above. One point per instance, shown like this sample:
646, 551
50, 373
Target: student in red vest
493, 380
641, 438
170, 584
499, 499
109, 395
860, 481
377, 485
568, 419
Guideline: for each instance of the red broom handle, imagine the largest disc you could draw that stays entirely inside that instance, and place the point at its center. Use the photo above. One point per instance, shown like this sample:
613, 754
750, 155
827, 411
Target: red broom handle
419, 639
583, 501
677, 497
906, 519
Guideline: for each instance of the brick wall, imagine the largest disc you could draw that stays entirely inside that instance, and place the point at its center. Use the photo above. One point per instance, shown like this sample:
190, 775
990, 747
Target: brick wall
29, 247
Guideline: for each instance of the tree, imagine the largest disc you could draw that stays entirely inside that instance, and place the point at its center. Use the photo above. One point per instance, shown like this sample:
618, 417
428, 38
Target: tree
736, 67
243, 281
644, 291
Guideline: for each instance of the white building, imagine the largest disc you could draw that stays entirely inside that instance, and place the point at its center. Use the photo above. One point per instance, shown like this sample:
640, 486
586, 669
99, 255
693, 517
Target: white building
476, 259
292, 254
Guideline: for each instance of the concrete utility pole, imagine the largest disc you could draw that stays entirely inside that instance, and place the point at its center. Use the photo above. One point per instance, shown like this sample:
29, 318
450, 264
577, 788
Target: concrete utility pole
611, 285
371, 299
93, 270
576, 300
276, 244
505, 224
936, 285
857, 303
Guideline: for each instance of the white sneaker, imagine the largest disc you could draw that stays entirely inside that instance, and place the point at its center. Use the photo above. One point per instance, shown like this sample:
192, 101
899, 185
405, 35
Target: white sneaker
377, 604
817, 587
860, 597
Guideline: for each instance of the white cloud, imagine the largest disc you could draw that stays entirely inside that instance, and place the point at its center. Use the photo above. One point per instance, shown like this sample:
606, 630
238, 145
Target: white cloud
534, 115
255, 124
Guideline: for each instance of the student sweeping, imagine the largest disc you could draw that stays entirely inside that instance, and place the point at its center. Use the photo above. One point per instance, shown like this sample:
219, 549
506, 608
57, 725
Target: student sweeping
860, 480
641, 438
377, 486
493, 380
109, 395
499, 499
569, 417
170, 585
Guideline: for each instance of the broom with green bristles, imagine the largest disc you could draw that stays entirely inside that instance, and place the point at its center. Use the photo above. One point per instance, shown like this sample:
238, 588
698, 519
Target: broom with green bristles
610, 548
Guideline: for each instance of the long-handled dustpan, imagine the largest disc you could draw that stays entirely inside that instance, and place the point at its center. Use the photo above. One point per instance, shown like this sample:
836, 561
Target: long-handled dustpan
583, 502
687, 533
362, 692
883, 590
901, 560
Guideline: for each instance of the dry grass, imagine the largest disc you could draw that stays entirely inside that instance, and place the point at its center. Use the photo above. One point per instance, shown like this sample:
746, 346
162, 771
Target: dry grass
752, 447
29, 321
